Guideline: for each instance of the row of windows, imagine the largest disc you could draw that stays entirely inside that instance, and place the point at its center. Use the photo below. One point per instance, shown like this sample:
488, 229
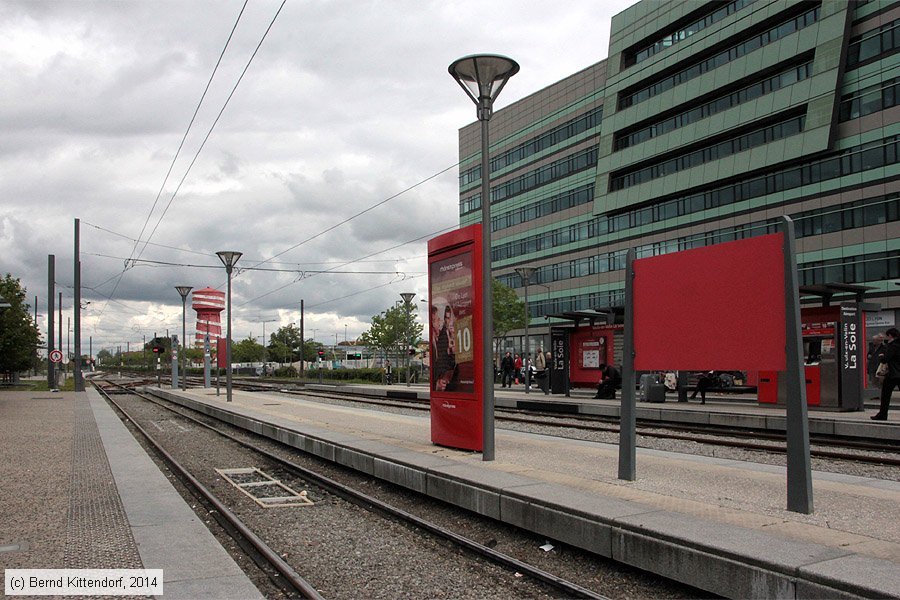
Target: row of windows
873, 43
555, 136
853, 160
768, 85
659, 45
754, 43
751, 139
861, 213
864, 268
542, 208
586, 159
870, 100
850, 161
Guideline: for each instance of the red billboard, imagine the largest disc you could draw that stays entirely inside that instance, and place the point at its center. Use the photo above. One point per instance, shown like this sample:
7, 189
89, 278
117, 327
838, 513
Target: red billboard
454, 293
719, 307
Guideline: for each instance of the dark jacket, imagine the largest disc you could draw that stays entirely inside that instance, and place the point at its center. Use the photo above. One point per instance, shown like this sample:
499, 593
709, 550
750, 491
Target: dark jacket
891, 356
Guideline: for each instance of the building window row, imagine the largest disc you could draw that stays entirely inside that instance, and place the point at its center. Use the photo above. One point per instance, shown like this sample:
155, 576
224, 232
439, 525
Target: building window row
586, 159
557, 135
719, 12
853, 160
542, 208
847, 162
853, 215
864, 268
873, 44
768, 85
697, 69
728, 147
869, 100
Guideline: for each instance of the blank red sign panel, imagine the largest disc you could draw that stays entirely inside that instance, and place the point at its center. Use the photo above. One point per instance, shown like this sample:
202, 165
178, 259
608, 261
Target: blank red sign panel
719, 307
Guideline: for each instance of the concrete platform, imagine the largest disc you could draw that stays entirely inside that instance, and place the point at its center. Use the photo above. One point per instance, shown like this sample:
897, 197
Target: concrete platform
716, 524
732, 410
79, 492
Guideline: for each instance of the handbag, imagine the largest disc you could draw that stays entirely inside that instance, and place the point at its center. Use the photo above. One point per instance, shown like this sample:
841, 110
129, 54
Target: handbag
882, 370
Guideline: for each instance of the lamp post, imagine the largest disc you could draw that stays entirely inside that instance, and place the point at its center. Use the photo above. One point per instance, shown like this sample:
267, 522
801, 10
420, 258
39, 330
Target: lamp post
229, 258
482, 77
184, 290
525, 273
407, 305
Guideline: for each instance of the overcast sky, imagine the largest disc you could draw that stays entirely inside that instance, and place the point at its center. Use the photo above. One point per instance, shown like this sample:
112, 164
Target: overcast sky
345, 105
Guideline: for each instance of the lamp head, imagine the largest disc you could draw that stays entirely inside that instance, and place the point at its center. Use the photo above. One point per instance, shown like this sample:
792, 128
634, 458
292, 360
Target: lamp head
184, 290
482, 76
229, 258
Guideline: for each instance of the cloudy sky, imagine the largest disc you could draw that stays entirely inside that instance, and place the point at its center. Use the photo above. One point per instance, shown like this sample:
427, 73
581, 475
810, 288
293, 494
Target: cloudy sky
346, 107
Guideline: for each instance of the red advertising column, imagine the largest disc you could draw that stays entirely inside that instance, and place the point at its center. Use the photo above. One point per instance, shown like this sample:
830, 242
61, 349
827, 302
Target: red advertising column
455, 322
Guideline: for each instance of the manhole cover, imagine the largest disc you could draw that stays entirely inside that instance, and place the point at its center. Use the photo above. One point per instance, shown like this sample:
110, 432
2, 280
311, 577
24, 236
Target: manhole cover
264, 489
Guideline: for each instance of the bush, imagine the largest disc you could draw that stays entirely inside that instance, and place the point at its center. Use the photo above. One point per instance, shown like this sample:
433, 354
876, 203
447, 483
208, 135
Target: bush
286, 372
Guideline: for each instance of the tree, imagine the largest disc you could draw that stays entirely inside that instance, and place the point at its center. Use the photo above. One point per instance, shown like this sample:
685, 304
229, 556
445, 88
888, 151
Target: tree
19, 336
393, 330
284, 345
104, 357
509, 312
247, 351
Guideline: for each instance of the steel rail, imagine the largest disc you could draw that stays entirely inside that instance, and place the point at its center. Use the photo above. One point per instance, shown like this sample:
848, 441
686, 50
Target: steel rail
292, 577
369, 502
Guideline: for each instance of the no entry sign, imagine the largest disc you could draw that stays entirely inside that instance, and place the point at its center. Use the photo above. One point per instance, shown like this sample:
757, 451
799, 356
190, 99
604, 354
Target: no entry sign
56, 356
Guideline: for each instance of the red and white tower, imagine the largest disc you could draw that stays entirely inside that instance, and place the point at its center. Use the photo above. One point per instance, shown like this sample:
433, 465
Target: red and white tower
208, 303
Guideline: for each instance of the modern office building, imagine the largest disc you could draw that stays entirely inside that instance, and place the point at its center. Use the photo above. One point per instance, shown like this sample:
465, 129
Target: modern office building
708, 121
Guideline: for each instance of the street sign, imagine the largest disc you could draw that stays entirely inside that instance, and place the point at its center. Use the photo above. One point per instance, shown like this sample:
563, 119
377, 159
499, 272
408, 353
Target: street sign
56, 356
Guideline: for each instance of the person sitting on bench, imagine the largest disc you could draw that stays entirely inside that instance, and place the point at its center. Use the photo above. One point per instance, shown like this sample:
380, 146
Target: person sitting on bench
610, 379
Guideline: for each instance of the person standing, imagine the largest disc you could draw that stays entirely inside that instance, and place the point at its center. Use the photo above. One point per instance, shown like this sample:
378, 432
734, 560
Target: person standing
506, 367
388, 372
540, 367
520, 375
877, 347
891, 358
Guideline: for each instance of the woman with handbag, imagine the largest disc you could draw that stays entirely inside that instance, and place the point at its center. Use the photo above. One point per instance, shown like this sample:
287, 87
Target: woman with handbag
890, 370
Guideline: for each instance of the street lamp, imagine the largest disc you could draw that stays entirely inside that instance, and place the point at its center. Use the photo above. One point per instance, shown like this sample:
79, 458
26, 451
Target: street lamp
482, 77
525, 273
184, 290
229, 258
407, 300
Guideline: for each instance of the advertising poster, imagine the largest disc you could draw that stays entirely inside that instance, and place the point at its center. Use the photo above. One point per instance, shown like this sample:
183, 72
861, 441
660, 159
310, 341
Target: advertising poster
451, 324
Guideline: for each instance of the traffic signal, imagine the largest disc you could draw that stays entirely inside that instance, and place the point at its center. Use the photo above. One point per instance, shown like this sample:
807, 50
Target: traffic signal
157, 346
321, 354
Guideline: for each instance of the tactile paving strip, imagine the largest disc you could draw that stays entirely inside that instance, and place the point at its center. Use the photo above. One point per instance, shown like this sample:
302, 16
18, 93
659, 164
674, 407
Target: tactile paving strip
97, 534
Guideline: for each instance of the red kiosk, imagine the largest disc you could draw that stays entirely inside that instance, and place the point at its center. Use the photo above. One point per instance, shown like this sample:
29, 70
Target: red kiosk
455, 321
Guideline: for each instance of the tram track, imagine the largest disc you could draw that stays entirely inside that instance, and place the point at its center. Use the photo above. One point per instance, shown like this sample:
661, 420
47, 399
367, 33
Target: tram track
881, 453
370, 503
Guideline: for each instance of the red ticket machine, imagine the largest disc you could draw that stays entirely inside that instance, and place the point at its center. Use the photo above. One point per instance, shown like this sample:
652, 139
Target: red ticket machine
455, 326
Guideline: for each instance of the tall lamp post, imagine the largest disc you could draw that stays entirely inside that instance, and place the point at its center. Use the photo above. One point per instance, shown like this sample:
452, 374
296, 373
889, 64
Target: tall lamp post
482, 77
184, 290
525, 273
229, 258
407, 305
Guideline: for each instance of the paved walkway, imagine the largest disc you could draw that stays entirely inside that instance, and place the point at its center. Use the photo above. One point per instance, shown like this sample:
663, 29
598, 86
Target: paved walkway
78, 492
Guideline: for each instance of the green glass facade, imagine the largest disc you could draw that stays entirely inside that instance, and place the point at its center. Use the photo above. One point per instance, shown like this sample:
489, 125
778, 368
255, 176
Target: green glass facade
708, 121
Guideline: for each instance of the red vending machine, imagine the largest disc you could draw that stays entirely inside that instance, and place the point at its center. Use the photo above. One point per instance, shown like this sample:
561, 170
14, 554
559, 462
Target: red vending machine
455, 327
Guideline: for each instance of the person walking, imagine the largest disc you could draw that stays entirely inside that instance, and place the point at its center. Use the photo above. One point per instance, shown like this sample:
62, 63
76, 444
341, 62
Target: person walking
891, 358
704, 382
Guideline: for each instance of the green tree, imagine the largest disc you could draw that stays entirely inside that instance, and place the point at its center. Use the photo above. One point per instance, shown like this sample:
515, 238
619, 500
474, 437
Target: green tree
247, 351
19, 337
392, 330
509, 312
105, 357
284, 345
